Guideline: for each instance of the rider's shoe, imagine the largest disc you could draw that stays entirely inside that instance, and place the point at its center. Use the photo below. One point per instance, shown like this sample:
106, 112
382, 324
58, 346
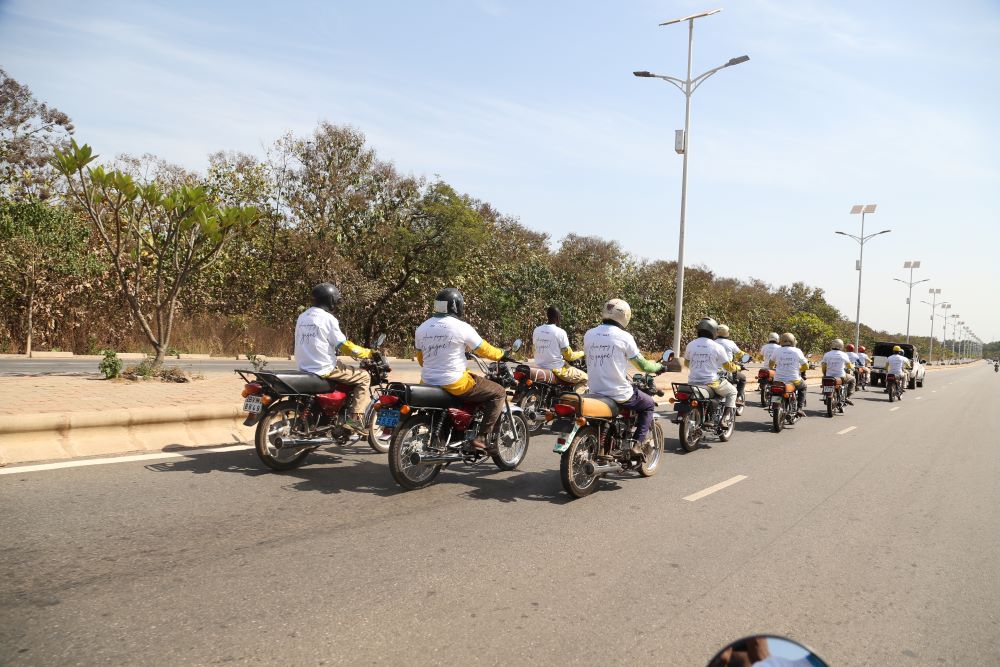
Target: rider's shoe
480, 445
634, 447
355, 423
848, 401
800, 414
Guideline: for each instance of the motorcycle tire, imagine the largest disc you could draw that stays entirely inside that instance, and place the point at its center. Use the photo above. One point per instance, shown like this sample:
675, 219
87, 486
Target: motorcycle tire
892, 393
277, 422
727, 434
406, 474
584, 447
763, 397
531, 401
690, 423
777, 418
512, 441
376, 438
829, 407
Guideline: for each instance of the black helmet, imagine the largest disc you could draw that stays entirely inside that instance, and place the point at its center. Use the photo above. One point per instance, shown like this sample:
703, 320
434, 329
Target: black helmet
553, 315
326, 296
449, 301
707, 327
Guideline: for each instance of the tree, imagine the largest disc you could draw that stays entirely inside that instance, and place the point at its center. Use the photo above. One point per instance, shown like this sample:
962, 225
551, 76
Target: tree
45, 250
810, 331
155, 241
29, 131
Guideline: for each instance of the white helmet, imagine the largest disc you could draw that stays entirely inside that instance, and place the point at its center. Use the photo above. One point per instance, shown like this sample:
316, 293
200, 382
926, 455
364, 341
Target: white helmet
837, 344
772, 337
787, 339
617, 310
722, 331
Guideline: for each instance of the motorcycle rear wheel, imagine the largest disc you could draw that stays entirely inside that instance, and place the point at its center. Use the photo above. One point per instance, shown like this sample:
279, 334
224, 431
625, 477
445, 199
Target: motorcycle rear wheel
652, 449
277, 423
512, 441
892, 392
412, 436
582, 449
829, 406
690, 423
531, 401
763, 396
376, 438
777, 418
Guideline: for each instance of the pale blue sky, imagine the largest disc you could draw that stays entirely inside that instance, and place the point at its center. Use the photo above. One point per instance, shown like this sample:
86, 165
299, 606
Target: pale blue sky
532, 106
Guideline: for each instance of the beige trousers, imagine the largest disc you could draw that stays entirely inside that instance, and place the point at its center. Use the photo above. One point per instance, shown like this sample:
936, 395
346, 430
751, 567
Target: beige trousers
359, 381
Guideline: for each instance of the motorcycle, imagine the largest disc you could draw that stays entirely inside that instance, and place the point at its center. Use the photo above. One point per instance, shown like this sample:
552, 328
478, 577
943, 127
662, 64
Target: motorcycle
741, 393
833, 395
996, 368
861, 379
765, 376
296, 412
784, 405
434, 429
700, 411
593, 435
537, 391
894, 387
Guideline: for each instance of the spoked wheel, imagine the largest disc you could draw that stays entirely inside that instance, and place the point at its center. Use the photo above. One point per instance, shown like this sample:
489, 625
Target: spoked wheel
278, 423
512, 441
690, 431
531, 403
740, 402
829, 406
652, 449
412, 437
378, 438
727, 432
573, 466
892, 392
763, 396
777, 417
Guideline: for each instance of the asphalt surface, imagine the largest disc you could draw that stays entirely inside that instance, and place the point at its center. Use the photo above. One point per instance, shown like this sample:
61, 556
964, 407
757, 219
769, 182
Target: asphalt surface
879, 546
70, 366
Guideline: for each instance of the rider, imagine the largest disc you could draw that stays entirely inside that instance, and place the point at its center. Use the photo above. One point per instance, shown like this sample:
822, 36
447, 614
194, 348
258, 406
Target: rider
704, 356
318, 341
609, 348
897, 364
442, 343
863, 361
837, 364
553, 351
789, 363
722, 338
768, 348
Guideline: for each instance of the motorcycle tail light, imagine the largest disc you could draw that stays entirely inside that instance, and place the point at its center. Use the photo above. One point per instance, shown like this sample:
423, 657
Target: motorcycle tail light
778, 389
682, 396
252, 389
519, 375
388, 400
694, 404
564, 410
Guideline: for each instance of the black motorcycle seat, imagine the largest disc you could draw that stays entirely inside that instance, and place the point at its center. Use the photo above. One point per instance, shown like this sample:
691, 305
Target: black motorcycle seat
607, 401
424, 396
301, 382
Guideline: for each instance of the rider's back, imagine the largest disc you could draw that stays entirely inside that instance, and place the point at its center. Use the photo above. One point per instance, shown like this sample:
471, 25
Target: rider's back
317, 336
608, 349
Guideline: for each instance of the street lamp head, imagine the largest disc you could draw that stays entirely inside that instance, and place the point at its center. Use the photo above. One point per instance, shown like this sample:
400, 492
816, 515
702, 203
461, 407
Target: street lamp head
842, 233
737, 61
884, 231
692, 17
643, 74
934, 291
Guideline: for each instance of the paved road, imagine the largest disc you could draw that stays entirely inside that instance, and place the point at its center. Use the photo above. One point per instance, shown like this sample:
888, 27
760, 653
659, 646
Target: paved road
878, 546
70, 366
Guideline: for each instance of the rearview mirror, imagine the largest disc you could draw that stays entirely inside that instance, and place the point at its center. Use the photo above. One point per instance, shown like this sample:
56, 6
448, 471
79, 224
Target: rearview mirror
745, 358
380, 340
516, 346
766, 650
668, 355
923, 361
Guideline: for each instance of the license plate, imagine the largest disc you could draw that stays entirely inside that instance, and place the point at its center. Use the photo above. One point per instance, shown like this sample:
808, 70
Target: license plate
827, 390
776, 399
252, 404
388, 418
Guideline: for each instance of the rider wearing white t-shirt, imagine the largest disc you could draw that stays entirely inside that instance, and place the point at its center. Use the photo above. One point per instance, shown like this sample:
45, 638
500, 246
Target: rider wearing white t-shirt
897, 364
318, 341
441, 343
610, 349
722, 338
769, 348
789, 363
837, 364
553, 351
704, 357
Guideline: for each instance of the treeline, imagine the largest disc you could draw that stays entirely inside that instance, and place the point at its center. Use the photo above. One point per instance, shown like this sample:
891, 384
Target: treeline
133, 253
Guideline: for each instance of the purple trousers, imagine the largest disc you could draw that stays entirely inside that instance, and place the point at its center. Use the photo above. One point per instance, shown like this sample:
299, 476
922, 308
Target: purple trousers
643, 405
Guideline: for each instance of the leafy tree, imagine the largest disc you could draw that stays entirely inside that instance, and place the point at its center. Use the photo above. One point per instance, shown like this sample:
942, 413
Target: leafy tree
812, 333
155, 241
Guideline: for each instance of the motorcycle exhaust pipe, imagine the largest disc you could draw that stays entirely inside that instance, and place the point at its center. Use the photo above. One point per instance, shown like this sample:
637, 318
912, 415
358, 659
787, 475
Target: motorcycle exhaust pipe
287, 443
416, 459
592, 470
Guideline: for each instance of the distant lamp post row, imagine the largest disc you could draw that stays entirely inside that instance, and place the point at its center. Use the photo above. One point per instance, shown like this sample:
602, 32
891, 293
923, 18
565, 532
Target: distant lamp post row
863, 209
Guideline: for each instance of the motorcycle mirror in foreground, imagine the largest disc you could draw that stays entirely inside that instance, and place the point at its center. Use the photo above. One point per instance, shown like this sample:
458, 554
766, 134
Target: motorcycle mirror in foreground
516, 346
380, 340
745, 358
668, 355
766, 651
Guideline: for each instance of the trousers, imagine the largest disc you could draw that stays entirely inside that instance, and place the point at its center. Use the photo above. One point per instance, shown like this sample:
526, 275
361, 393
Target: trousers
359, 381
643, 405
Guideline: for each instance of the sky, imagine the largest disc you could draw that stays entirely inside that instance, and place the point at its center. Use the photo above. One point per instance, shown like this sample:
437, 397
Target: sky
532, 107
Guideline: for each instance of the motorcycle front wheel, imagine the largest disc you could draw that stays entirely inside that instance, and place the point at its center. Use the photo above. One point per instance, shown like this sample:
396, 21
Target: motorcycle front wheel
413, 436
572, 467
377, 438
512, 441
278, 423
652, 449
763, 396
727, 433
690, 432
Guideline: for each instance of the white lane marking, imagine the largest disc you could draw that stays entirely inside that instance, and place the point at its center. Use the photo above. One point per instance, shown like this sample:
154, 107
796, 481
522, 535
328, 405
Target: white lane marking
894, 409
39, 467
919, 397
846, 430
712, 489
933, 391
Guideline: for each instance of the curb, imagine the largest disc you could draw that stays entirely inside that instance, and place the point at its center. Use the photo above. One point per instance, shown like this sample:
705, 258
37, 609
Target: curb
61, 421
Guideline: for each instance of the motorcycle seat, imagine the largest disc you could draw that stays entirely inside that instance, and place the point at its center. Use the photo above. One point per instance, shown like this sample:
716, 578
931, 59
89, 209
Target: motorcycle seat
301, 382
698, 391
543, 375
595, 405
424, 396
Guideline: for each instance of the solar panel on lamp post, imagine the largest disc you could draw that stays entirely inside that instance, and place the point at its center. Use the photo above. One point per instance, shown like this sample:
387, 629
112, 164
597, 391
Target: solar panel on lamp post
687, 86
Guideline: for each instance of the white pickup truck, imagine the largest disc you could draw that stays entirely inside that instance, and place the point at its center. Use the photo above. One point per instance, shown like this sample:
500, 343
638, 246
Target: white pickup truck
882, 351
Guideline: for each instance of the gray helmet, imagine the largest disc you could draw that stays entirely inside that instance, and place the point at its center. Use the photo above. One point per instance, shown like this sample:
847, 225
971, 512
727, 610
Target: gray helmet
837, 344
707, 327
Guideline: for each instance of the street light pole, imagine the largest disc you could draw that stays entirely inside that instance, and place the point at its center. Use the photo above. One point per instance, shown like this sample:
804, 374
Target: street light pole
687, 86
863, 209
910, 265
934, 292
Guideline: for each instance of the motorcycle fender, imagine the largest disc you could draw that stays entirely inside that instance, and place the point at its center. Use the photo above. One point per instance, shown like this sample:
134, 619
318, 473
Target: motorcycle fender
566, 440
252, 418
516, 409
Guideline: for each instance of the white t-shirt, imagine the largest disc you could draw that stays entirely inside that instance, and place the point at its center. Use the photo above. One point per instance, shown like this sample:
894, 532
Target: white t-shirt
767, 350
705, 357
836, 363
317, 337
853, 356
896, 363
788, 360
443, 341
862, 359
549, 341
730, 346
608, 350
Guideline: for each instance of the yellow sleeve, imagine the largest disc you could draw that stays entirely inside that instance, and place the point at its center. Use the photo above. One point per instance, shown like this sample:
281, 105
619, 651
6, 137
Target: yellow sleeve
824, 367
420, 358
487, 351
731, 366
772, 364
804, 367
354, 350
569, 355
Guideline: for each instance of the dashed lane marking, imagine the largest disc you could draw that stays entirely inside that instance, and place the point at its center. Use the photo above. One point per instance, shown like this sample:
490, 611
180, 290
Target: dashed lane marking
712, 489
894, 409
39, 467
846, 430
